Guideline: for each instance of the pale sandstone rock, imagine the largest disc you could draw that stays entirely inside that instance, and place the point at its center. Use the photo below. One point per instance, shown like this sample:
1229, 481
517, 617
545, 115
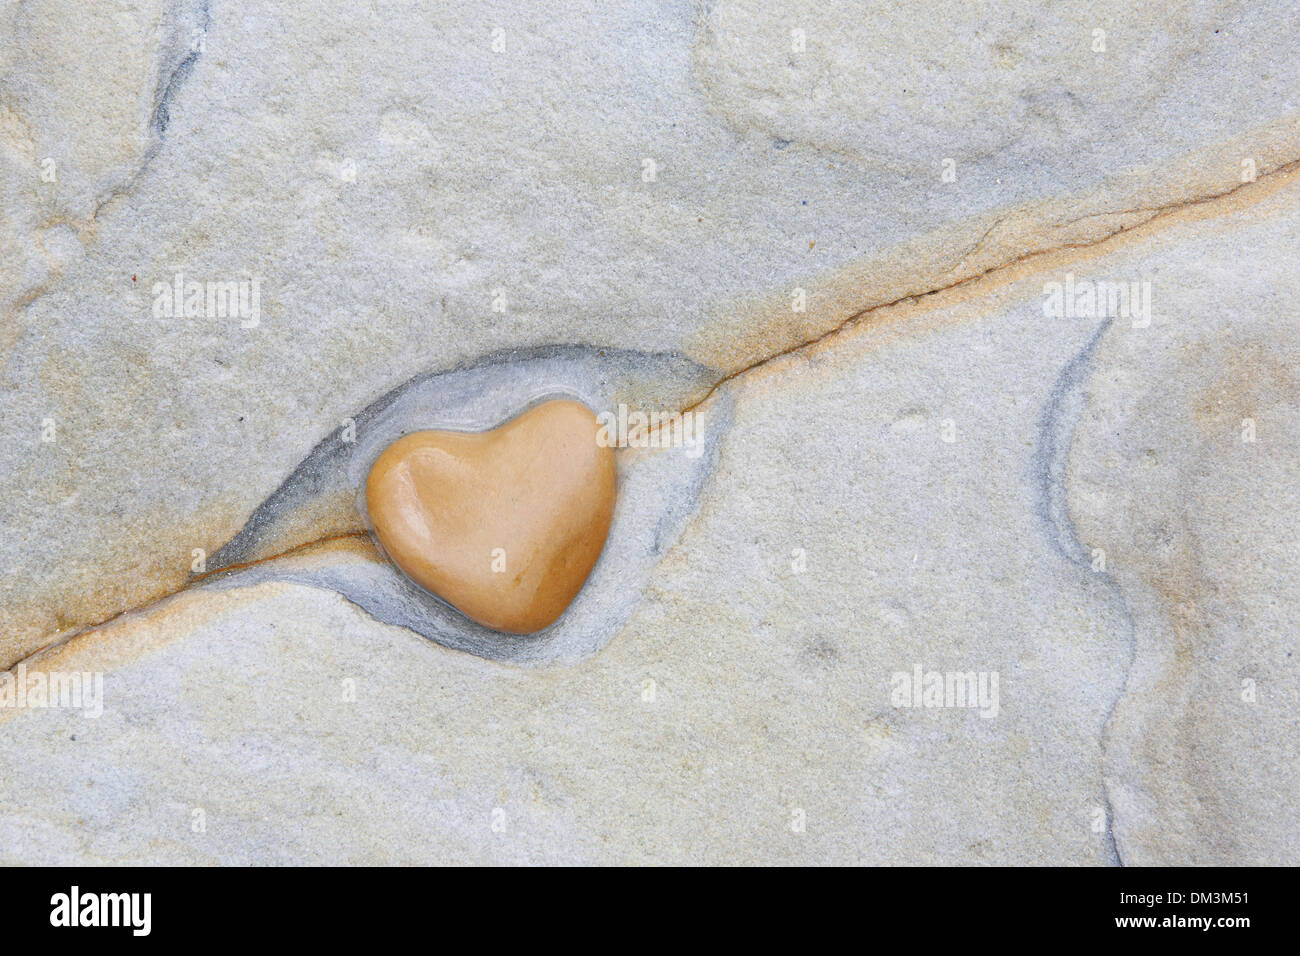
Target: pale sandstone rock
393, 180
85, 93
751, 689
1186, 471
519, 178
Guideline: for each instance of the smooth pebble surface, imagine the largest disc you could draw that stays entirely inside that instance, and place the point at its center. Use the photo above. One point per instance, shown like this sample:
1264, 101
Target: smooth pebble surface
505, 524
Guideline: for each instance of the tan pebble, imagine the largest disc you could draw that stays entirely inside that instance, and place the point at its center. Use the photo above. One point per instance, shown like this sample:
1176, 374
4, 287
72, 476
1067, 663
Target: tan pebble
506, 524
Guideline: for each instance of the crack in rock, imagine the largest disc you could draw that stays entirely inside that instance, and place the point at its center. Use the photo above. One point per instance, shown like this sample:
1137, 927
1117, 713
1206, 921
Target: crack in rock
659, 489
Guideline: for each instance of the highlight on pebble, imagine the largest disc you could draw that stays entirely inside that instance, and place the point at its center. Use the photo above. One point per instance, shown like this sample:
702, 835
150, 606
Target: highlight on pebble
650, 433
505, 524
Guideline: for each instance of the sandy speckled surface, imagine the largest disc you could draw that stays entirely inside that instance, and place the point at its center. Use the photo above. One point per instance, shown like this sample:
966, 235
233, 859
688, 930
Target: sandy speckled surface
830, 231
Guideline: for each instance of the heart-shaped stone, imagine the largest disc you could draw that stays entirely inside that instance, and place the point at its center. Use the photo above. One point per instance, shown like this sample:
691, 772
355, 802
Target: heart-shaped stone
506, 524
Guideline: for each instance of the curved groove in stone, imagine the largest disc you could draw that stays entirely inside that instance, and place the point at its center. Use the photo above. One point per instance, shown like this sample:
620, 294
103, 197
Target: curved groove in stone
173, 76
658, 491
1055, 428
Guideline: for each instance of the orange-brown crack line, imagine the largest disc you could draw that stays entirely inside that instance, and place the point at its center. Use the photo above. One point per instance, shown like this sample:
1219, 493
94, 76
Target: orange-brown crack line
1264, 186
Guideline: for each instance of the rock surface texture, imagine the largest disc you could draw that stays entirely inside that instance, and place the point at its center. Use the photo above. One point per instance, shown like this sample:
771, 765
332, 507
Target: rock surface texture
973, 337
